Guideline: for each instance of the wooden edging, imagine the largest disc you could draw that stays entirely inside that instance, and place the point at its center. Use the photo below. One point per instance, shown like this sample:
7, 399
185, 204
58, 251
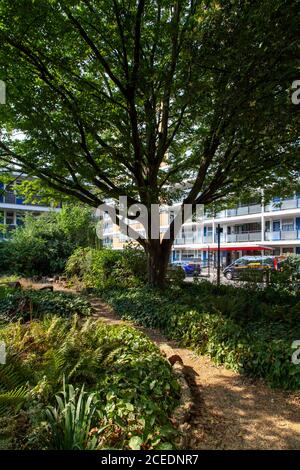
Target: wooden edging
181, 415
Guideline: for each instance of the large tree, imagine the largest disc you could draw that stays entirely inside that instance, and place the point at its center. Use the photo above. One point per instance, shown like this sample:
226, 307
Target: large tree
158, 100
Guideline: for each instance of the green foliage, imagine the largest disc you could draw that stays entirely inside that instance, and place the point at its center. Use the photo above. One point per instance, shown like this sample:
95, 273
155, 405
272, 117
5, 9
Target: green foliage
219, 69
204, 87
119, 386
104, 268
107, 268
43, 244
247, 330
70, 421
175, 275
287, 278
24, 305
13, 392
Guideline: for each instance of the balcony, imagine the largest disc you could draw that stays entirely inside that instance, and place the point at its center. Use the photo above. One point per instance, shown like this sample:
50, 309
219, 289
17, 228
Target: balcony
286, 204
244, 237
244, 210
208, 238
188, 240
241, 237
282, 235
11, 198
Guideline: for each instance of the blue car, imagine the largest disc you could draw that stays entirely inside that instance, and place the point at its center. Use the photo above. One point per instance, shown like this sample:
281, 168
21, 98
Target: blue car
190, 267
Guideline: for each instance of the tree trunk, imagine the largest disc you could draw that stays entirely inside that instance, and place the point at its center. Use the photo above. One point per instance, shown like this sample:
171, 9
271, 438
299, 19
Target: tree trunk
158, 260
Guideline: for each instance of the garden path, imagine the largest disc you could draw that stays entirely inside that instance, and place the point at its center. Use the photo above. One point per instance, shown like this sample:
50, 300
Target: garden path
230, 410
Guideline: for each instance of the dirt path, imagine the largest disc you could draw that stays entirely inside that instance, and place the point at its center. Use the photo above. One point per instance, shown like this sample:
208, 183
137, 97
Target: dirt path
231, 411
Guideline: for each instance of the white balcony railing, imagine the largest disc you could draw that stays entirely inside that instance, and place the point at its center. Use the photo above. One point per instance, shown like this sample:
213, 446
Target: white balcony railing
241, 237
285, 204
255, 209
283, 235
244, 237
208, 239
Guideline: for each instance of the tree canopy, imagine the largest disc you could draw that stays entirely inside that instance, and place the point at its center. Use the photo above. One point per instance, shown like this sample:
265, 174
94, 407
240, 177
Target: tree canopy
123, 97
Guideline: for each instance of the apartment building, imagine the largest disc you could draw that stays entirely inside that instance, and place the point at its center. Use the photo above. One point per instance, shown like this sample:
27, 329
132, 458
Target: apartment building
246, 229
13, 208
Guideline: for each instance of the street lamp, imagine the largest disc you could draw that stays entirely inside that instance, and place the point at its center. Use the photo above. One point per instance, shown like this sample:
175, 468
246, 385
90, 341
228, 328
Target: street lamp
208, 262
219, 231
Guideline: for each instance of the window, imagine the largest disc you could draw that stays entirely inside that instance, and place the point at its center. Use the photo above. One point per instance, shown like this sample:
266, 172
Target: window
287, 224
188, 254
1, 191
10, 197
241, 262
187, 233
107, 241
10, 219
287, 250
245, 228
19, 197
20, 218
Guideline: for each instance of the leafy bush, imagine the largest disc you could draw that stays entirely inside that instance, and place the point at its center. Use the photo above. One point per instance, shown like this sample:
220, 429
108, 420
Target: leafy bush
27, 304
287, 279
106, 267
243, 329
43, 244
129, 388
175, 275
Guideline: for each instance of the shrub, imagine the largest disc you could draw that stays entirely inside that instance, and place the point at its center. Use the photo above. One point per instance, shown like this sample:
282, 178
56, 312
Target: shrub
25, 305
129, 388
237, 327
175, 275
43, 244
106, 267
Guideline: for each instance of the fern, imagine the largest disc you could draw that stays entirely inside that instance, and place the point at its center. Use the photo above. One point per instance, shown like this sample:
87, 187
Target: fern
13, 390
12, 399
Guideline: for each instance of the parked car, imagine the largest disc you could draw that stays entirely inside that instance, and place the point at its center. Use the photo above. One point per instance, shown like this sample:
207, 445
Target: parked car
191, 267
250, 264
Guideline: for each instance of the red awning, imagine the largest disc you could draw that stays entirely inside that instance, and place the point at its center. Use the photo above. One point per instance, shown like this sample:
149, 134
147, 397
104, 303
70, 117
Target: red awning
238, 248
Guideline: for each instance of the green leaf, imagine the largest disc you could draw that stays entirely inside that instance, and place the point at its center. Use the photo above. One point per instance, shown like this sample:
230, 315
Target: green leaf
135, 443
